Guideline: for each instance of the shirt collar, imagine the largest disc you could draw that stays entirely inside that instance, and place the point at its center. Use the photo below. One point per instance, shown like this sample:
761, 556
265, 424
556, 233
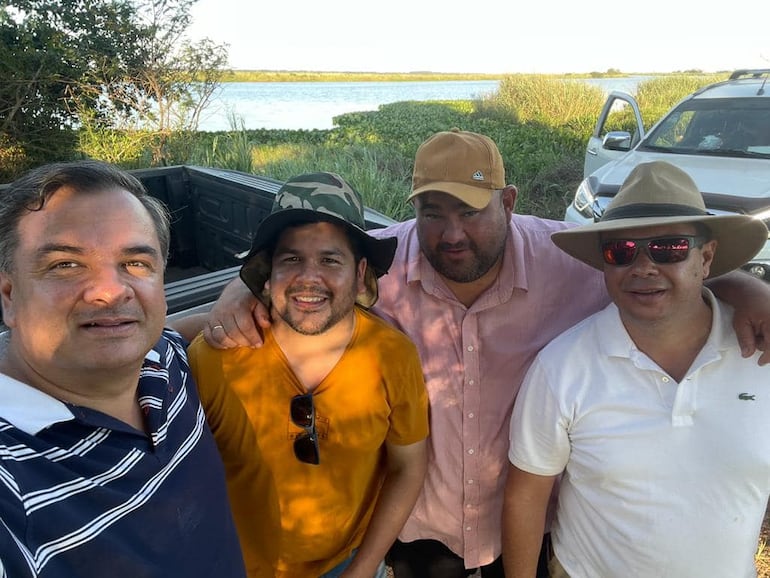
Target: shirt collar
29, 409
619, 344
32, 410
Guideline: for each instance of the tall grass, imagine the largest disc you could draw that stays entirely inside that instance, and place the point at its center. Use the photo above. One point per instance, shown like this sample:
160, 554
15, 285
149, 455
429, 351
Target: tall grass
232, 150
548, 100
658, 95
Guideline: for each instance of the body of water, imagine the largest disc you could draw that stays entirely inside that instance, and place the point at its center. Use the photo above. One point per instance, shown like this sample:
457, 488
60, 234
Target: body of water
313, 105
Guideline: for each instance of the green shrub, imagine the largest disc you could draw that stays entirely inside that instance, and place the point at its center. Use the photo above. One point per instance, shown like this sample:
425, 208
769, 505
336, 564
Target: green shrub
13, 158
127, 148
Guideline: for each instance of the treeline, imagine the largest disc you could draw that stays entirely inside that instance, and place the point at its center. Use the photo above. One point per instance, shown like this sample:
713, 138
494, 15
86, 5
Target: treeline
69, 69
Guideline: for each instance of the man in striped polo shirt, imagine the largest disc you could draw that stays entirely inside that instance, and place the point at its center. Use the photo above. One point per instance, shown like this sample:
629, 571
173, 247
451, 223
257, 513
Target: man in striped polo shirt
107, 467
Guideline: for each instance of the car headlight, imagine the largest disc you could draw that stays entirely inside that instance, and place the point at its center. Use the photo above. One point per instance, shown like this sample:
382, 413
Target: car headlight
584, 200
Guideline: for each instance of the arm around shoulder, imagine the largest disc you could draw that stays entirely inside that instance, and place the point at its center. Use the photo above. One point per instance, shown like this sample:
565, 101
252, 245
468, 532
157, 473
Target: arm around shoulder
750, 298
236, 319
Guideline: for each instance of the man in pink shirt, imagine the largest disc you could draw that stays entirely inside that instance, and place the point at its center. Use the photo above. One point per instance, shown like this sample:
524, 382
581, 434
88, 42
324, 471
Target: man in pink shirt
480, 290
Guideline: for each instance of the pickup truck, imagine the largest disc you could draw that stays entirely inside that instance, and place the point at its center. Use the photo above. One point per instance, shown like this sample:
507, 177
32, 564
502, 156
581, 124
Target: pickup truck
215, 213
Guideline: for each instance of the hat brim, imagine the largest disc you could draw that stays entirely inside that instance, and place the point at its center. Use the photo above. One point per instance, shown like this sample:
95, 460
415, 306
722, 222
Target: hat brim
256, 270
476, 197
739, 238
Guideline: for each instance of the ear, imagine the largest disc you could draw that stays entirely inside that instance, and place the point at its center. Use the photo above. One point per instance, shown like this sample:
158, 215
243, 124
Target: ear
6, 298
708, 250
360, 276
508, 196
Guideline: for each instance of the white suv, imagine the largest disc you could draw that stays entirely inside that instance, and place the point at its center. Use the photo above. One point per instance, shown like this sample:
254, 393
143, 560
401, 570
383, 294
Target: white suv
720, 135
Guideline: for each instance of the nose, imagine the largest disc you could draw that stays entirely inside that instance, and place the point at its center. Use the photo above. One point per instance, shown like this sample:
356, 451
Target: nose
453, 232
643, 265
309, 270
107, 284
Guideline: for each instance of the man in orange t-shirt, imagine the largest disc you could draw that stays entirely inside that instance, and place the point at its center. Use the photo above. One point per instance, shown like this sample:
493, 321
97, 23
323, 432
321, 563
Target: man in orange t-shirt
322, 430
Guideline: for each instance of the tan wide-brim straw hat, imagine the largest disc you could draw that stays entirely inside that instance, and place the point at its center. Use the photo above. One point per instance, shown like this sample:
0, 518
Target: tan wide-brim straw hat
658, 193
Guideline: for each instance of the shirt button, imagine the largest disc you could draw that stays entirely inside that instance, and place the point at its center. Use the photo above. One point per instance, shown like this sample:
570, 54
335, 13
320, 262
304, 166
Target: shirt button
471, 382
471, 415
665, 379
470, 482
470, 348
470, 451
467, 528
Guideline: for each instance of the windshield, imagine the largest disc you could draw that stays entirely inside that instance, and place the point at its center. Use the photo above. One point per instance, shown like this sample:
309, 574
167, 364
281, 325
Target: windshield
738, 127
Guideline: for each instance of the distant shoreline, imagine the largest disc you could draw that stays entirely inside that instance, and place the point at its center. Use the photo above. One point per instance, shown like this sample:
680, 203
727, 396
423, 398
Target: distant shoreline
311, 76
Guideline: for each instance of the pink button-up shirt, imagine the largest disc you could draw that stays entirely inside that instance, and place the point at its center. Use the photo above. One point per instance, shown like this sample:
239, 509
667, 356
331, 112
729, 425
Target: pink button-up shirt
474, 359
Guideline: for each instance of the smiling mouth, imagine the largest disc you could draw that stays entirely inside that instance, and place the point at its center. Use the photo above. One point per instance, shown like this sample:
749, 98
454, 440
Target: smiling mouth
108, 324
311, 300
647, 292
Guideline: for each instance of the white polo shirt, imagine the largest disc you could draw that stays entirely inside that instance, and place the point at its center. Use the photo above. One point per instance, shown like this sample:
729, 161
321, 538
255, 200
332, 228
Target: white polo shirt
662, 479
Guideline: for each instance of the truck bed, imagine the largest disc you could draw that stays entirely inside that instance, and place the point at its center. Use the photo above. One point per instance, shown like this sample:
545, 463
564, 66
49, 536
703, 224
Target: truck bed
214, 214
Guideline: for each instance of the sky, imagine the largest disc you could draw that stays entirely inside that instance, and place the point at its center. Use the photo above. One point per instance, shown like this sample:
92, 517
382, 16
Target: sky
488, 36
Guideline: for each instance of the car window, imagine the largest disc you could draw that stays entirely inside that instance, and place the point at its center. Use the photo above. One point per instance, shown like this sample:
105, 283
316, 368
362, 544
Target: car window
728, 127
621, 117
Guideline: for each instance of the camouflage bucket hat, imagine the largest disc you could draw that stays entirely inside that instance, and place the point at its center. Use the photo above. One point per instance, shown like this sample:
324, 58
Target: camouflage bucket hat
312, 198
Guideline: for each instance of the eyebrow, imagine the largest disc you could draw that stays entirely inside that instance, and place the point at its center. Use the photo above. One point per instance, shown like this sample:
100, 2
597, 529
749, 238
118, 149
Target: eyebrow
62, 248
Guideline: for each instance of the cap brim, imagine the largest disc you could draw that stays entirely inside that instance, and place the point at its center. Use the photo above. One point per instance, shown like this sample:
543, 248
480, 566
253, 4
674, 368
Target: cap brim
476, 197
739, 238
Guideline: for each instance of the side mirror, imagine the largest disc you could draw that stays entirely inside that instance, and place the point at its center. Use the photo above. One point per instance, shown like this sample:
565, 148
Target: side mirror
617, 140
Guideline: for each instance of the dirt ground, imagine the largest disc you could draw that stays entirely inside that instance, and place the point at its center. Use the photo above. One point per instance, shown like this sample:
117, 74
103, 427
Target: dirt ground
763, 552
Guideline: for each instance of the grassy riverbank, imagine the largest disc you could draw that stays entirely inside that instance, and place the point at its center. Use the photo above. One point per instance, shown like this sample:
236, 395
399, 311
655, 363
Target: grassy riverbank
540, 123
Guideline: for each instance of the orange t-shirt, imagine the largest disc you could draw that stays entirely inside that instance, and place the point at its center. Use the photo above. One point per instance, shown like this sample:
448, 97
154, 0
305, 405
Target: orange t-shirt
305, 519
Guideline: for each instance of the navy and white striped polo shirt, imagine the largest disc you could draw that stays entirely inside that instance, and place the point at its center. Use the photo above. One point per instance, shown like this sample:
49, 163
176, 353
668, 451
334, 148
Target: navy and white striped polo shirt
85, 495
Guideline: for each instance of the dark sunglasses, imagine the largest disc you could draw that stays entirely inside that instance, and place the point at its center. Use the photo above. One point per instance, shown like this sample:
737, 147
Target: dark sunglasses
302, 413
661, 250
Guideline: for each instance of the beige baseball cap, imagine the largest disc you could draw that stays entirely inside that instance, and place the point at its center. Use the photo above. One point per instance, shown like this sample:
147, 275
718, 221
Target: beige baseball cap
466, 165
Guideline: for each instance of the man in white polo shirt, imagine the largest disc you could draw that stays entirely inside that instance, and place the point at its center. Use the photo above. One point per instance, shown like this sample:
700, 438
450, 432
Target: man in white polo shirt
647, 409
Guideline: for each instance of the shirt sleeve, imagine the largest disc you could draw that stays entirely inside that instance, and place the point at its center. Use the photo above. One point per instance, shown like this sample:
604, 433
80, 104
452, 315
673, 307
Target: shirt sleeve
539, 437
225, 413
408, 398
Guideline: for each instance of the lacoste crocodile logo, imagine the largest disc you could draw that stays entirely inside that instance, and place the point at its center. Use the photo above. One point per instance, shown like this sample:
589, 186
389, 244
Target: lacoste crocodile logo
746, 396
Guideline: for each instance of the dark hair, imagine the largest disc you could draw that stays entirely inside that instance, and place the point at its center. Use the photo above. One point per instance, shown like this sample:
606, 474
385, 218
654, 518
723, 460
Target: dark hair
31, 192
703, 230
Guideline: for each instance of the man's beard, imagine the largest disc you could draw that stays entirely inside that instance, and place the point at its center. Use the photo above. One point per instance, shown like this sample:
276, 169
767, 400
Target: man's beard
316, 323
469, 270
